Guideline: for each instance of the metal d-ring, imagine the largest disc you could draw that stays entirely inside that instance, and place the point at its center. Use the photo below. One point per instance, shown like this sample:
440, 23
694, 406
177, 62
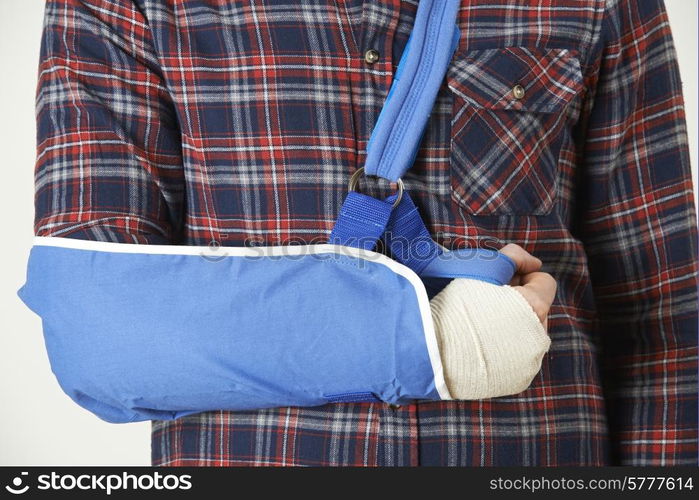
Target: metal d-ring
355, 179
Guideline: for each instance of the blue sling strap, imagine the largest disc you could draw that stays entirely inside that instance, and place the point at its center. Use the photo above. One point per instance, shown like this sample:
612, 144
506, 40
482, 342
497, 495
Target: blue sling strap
396, 137
391, 151
410, 244
363, 220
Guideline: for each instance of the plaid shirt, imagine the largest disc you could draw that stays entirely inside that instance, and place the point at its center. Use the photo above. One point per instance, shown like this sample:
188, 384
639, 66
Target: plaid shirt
199, 121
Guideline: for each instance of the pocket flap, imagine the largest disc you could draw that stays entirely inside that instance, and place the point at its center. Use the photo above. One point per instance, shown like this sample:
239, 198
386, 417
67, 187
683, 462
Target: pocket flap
486, 78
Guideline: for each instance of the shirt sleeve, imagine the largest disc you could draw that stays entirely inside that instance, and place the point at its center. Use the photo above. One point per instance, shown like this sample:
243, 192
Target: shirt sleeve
637, 223
109, 164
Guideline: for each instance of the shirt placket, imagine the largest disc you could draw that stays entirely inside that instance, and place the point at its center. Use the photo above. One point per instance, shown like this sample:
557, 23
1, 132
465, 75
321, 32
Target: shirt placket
378, 47
372, 66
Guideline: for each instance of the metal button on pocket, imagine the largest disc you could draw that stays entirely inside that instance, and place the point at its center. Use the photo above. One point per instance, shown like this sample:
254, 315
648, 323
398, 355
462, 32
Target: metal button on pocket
518, 91
371, 56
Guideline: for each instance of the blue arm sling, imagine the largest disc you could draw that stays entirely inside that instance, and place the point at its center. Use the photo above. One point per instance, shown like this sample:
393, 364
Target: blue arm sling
139, 332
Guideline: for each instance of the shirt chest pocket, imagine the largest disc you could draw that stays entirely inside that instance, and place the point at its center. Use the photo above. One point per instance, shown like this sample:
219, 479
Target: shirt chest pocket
510, 108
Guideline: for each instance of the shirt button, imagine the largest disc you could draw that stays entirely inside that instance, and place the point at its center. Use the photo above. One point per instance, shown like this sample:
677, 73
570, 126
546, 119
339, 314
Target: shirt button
518, 91
371, 56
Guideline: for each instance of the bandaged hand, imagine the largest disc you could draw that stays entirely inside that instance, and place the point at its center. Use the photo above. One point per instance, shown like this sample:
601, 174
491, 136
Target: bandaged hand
492, 338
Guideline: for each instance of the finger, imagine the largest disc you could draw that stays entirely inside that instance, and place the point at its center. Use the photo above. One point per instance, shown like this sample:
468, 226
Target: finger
539, 305
542, 284
524, 261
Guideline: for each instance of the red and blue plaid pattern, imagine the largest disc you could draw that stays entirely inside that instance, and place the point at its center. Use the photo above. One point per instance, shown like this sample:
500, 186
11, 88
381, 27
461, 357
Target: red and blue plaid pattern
234, 122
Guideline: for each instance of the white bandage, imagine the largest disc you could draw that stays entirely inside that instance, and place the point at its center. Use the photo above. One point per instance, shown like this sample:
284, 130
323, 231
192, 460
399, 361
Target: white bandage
490, 339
